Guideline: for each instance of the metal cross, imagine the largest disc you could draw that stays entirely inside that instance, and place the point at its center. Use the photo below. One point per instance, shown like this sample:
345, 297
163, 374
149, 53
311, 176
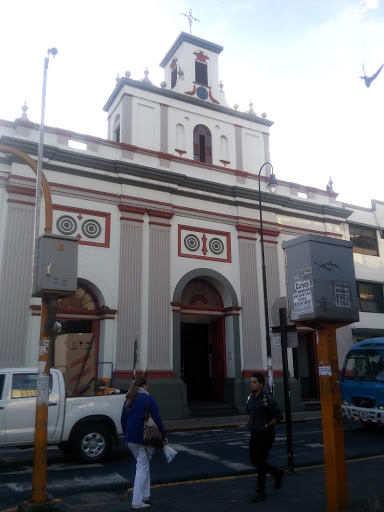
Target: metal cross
190, 19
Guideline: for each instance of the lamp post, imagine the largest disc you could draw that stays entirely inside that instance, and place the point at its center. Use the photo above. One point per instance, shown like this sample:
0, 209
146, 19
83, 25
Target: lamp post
272, 185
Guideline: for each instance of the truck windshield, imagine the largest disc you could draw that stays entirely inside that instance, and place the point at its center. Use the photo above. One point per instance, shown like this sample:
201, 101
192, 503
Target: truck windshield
364, 365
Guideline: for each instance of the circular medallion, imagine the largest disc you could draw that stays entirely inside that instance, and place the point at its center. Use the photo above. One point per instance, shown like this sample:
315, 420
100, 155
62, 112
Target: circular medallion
91, 228
192, 243
216, 245
202, 93
66, 225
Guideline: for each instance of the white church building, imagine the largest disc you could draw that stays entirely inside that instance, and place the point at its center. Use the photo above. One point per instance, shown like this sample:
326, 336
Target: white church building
166, 212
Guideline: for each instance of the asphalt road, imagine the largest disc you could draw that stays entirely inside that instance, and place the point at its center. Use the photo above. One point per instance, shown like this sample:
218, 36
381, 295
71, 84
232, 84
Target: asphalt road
202, 454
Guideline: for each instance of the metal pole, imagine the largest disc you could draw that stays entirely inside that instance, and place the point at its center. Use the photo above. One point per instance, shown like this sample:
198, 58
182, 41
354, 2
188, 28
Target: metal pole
287, 391
271, 384
52, 51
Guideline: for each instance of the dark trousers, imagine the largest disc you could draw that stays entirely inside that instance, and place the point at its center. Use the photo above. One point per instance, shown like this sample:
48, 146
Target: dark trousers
260, 445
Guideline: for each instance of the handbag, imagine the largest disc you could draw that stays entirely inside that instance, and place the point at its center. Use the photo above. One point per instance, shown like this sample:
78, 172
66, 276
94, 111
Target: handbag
151, 433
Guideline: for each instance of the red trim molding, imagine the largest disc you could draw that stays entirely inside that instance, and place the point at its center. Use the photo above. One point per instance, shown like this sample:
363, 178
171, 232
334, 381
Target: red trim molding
247, 374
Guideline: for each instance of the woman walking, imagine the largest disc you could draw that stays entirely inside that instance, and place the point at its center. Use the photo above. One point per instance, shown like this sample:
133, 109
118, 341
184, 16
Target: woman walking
132, 421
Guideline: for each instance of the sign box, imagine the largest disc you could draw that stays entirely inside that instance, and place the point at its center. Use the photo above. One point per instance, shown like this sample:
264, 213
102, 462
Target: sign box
75, 356
321, 280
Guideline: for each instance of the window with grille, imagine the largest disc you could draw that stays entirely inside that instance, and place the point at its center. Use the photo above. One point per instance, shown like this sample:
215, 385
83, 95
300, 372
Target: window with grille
201, 73
202, 144
370, 297
364, 240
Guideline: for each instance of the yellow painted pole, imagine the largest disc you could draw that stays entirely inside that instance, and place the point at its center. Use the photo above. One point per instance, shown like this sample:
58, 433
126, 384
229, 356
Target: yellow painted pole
332, 419
48, 315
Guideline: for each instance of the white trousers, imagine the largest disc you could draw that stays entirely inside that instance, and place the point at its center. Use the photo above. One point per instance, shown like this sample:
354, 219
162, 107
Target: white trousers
142, 483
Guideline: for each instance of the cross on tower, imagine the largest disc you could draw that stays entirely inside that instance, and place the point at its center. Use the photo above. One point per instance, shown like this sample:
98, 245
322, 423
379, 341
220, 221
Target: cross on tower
190, 19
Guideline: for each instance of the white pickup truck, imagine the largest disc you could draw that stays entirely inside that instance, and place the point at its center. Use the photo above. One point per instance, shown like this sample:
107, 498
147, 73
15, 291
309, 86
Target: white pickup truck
86, 426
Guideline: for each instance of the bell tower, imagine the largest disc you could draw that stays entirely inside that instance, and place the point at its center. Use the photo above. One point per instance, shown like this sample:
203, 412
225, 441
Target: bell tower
191, 67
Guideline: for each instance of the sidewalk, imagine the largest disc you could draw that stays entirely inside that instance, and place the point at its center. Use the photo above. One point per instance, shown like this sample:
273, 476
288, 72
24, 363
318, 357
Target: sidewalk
228, 421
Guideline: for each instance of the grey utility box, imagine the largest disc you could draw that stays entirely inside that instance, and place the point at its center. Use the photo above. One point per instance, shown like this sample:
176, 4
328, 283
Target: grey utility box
321, 280
56, 266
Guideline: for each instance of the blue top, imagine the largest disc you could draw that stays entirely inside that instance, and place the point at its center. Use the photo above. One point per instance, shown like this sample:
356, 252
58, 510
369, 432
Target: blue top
132, 421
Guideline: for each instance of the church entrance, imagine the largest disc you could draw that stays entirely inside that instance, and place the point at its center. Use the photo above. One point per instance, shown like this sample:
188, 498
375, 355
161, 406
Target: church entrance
203, 362
202, 342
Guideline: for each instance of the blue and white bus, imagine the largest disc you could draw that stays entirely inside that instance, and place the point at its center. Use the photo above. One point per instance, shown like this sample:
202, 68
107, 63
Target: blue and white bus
362, 382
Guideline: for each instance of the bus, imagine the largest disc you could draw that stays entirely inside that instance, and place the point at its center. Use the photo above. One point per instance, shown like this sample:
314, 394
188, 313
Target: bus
362, 382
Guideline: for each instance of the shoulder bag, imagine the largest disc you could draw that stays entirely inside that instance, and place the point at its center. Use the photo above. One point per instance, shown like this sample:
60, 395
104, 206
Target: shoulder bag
151, 433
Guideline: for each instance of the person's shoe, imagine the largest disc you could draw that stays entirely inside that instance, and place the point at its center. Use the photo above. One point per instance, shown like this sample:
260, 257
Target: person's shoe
259, 496
279, 479
147, 501
138, 507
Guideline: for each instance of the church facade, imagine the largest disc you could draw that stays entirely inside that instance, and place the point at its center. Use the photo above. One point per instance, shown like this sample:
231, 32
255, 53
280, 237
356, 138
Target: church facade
166, 212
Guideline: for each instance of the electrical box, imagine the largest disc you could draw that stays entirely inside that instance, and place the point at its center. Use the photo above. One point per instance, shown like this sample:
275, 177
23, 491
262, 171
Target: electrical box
56, 266
321, 280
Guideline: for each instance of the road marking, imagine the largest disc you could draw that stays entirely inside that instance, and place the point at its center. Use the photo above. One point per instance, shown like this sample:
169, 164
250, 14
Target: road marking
315, 445
112, 478
55, 467
237, 466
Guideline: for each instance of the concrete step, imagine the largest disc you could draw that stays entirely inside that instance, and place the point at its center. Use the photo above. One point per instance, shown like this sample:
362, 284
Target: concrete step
211, 409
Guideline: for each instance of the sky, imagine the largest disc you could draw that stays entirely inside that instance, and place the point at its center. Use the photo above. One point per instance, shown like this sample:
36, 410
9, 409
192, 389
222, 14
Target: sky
297, 60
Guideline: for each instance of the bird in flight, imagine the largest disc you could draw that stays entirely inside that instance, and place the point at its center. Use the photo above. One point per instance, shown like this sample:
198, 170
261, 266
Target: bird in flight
369, 79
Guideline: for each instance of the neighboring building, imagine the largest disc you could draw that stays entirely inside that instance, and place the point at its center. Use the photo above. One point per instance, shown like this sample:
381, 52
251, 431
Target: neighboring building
166, 211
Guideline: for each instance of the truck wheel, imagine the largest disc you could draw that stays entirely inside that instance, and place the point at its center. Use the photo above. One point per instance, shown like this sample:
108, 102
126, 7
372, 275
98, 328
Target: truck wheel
92, 443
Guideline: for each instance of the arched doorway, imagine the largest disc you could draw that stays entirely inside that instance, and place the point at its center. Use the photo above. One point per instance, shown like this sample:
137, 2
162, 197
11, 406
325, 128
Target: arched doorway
206, 336
203, 353
76, 312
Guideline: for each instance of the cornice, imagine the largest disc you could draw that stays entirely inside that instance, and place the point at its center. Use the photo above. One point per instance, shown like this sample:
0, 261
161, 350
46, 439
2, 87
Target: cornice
177, 184
167, 93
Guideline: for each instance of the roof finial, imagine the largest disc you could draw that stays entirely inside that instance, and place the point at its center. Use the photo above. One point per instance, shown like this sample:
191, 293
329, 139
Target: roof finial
190, 19
330, 185
24, 108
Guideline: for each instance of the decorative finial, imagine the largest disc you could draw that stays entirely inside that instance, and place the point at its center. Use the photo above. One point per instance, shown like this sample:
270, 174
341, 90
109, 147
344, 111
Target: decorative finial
329, 186
251, 111
128, 74
236, 106
221, 85
117, 79
190, 19
24, 108
163, 84
180, 73
146, 79
264, 115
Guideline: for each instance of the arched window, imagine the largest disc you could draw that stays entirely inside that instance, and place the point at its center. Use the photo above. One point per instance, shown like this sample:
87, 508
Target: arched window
202, 144
116, 129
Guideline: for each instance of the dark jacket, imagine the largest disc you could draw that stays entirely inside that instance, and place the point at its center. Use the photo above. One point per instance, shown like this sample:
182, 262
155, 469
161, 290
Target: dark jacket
132, 421
261, 410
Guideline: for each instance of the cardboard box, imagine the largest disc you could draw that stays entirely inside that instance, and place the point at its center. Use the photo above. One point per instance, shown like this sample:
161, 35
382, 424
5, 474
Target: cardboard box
75, 356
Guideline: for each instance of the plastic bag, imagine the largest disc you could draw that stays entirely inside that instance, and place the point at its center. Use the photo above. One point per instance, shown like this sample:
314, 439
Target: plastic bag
169, 453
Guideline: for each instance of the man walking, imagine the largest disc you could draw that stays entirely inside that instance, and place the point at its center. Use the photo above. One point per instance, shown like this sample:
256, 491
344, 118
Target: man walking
264, 414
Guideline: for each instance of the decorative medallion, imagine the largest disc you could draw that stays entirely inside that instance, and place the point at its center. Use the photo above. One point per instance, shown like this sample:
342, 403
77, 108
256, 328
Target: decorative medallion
204, 244
91, 228
66, 225
216, 246
191, 242
202, 93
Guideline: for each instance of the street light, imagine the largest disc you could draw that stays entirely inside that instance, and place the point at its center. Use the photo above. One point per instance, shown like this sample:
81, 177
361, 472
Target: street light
272, 185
